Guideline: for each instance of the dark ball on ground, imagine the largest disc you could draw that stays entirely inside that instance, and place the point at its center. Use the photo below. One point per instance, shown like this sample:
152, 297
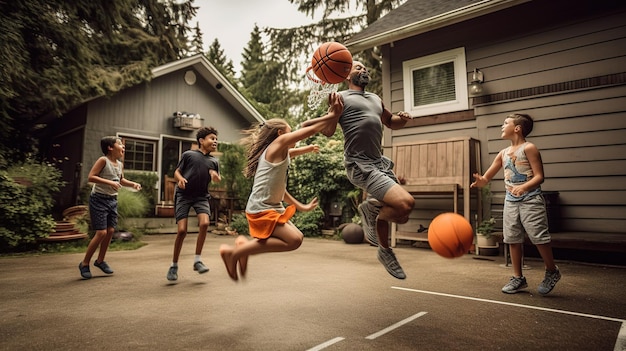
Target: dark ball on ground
352, 233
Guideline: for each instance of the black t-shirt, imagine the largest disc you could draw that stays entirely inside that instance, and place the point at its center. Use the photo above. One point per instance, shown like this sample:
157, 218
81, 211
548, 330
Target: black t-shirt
195, 166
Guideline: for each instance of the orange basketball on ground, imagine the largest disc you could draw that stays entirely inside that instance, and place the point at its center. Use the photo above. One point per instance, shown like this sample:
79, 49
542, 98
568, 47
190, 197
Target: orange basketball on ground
332, 62
450, 235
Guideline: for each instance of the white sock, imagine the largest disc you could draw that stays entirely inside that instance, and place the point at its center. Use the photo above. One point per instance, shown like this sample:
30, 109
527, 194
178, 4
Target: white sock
197, 259
174, 264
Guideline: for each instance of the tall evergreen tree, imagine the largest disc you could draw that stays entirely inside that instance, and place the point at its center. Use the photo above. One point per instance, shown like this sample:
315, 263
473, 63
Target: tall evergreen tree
263, 79
197, 44
254, 73
56, 54
219, 60
302, 41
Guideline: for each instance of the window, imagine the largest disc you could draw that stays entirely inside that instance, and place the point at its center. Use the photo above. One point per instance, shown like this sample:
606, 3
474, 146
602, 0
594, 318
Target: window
436, 83
140, 154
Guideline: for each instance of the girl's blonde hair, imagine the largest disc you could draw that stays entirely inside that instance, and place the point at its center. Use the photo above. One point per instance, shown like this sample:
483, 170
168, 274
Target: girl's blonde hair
258, 138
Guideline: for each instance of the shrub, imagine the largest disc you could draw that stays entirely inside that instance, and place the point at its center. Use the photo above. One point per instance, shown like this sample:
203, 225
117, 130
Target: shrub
26, 200
240, 224
322, 175
129, 205
148, 181
310, 222
232, 163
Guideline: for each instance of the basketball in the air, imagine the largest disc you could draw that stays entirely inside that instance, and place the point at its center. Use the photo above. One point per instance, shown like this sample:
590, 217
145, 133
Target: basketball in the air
332, 62
450, 235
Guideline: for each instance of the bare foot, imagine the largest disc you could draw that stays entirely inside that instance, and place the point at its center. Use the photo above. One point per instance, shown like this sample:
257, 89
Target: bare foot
243, 261
231, 267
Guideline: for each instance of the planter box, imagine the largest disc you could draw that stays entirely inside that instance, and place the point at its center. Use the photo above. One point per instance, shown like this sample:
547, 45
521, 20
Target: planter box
188, 123
165, 211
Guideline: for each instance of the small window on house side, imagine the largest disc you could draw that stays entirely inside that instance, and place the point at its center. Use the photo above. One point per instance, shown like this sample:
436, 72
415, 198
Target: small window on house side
436, 83
140, 155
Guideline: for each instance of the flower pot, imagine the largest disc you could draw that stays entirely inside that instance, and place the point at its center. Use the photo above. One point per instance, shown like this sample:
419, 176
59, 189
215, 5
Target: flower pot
483, 241
487, 246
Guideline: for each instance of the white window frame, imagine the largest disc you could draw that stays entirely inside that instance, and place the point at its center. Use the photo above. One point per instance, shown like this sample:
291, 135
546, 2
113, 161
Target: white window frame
460, 77
154, 141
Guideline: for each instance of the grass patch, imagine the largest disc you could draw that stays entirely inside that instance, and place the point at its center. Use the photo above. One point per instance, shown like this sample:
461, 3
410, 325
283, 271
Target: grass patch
79, 246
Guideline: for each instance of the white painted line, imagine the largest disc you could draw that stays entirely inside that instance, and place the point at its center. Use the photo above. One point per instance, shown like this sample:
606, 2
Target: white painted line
620, 344
514, 304
326, 344
397, 325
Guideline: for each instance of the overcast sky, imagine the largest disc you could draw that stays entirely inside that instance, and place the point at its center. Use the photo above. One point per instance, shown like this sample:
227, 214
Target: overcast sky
232, 21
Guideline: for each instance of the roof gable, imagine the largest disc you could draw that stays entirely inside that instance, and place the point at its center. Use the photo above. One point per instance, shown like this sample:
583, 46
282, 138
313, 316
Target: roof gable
419, 16
212, 75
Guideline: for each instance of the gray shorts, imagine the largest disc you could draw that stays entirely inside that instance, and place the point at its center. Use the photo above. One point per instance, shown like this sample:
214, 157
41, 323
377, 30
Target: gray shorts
375, 178
183, 205
526, 217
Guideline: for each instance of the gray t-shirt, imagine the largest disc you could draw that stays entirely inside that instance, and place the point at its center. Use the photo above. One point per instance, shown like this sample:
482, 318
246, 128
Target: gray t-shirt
361, 125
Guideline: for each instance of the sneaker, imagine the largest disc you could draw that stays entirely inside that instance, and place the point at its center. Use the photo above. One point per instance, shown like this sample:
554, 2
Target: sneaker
172, 274
200, 267
84, 271
514, 285
103, 266
388, 259
549, 281
368, 214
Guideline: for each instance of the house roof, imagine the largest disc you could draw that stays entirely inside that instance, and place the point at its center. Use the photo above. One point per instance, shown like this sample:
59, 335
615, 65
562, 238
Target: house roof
419, 16
212, 75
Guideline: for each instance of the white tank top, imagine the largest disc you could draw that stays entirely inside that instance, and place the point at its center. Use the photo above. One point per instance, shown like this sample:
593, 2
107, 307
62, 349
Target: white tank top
112, 172
270, 184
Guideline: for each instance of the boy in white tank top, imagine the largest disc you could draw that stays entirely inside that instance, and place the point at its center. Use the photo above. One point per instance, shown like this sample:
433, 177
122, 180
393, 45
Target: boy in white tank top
524, 206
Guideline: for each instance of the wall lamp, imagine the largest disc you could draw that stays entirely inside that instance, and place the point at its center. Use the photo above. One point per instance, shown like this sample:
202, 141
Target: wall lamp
475, 87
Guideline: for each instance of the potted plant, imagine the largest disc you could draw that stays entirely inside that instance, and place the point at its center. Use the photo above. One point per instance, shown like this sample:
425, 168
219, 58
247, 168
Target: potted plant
486, 243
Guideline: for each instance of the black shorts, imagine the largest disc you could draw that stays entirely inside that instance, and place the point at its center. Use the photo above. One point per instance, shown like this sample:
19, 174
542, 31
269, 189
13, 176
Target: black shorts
183, 204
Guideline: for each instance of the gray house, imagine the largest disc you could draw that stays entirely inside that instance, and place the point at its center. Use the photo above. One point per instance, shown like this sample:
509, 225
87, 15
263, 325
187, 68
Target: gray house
460, 66
157, 121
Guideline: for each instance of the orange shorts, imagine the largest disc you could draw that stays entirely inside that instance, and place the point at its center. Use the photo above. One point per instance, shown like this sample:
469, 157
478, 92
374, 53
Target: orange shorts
262, 224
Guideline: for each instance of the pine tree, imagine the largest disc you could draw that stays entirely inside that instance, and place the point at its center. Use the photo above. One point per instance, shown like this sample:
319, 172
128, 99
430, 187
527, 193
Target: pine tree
302, 41
254, 73
217, 57
263, 79
197, 44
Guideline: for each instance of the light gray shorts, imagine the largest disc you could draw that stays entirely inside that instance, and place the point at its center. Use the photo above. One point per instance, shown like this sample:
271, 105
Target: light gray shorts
375, 178
526, 217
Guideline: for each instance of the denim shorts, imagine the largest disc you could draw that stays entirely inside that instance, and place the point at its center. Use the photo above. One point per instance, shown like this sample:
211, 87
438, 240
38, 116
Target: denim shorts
103, 211
375, 178
183, 205
526, 217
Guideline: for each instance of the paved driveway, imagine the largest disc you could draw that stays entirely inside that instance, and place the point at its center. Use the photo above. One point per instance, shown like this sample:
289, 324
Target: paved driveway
326, 295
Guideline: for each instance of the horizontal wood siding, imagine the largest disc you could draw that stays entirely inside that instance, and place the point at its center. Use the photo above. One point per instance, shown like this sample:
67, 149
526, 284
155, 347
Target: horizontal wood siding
581, 132
582, 139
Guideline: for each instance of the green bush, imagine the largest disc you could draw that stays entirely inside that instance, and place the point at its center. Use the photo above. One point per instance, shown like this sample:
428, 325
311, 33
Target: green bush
232, 163
130, 205
148, 181
240, 224
322, 175
309, 223
26, 201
